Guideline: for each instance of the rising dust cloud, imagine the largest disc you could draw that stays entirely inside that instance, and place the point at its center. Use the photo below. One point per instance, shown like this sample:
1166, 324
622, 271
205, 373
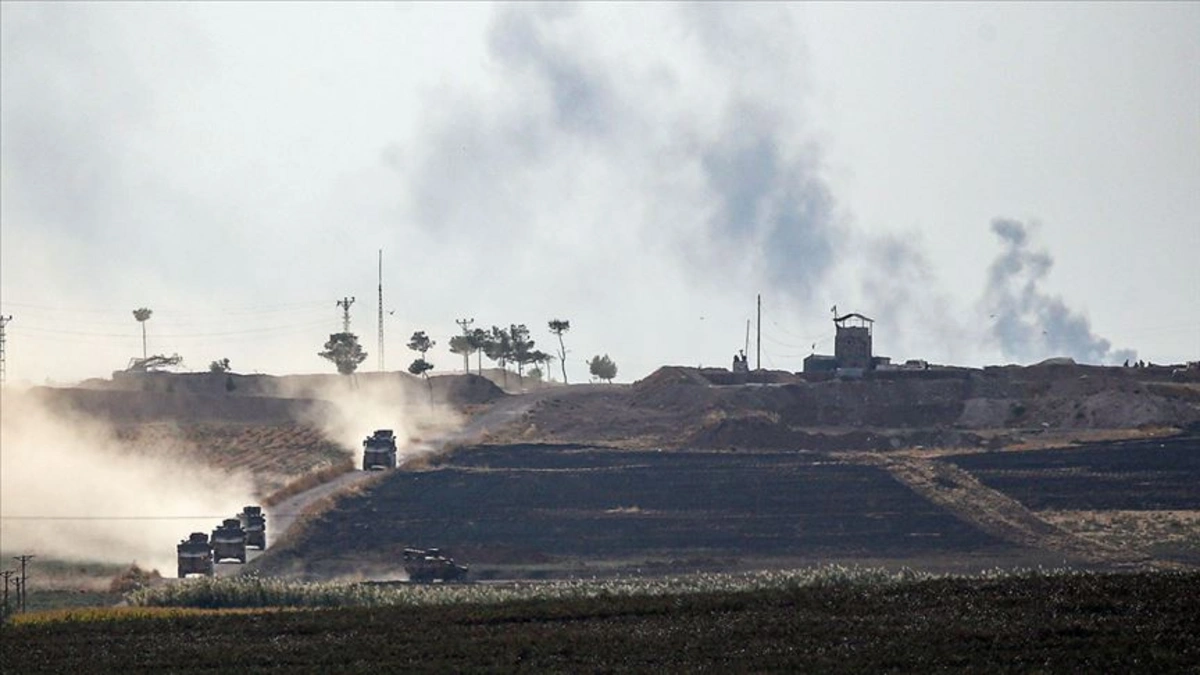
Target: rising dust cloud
370, 401
70, 490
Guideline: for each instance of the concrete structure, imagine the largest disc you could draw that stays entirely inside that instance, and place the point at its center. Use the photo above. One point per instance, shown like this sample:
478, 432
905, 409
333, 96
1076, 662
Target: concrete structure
851, 349
820, 363
852, 346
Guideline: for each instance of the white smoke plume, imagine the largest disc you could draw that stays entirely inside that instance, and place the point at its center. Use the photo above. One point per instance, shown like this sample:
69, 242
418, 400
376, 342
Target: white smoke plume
1029, 323
70, 489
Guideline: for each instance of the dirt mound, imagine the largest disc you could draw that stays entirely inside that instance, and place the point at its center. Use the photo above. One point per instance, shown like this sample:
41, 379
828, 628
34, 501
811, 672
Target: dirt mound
152, 406
465, 389
454, 390
679, 406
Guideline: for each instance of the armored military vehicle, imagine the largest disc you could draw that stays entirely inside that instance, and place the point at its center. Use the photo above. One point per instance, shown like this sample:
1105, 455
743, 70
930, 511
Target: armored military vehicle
254, 523
229, 541
379, 450
195, 555
429, 565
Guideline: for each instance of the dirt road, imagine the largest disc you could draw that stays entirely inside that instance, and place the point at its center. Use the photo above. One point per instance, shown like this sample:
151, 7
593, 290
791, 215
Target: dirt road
284, 516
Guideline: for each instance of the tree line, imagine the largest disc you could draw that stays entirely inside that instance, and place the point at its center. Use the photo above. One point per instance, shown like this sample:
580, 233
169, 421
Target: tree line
503, 346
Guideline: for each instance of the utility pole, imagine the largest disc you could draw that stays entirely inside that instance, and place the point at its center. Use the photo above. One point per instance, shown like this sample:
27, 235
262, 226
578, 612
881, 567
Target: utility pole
465, 324
21, 594
758, 336
345, 303
381, 310
747, 345
6, 574
3, 322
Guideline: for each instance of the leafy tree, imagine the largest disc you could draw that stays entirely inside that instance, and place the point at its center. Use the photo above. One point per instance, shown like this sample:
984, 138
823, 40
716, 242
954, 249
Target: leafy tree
344, 351
421, 368
143, 315
522, 349
420, 342
462, 344
558, 327
498, 348
219, 366
538, 357
602, 368
478, 339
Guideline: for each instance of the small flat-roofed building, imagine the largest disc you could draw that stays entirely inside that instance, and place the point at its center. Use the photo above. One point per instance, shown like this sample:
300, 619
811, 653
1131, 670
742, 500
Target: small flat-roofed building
820, 363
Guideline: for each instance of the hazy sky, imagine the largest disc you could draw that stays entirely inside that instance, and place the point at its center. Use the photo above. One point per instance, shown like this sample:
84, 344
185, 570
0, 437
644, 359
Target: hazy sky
992, 183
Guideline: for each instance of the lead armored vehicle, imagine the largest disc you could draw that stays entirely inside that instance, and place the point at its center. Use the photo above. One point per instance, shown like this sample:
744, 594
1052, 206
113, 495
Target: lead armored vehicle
379, 450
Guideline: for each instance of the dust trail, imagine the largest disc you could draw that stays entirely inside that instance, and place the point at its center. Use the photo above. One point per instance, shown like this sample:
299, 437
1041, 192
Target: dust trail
70, 489
365, 402
1029, 323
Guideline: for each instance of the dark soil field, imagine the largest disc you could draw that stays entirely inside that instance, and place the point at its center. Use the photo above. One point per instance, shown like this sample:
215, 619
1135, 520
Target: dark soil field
1153, 474
1118, 623
539, 510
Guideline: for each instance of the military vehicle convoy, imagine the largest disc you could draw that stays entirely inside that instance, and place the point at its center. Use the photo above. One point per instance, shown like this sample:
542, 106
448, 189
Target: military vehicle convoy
195, 555
229, 541
199, 552
429, 565
379, 451
254, 523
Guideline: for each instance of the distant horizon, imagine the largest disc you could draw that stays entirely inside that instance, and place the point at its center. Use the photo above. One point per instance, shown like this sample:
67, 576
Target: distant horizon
990, 182
496, 369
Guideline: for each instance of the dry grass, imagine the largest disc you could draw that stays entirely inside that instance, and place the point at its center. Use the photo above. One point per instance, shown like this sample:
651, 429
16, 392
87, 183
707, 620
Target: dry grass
1141, 530
309, 481
125, 613
1050, 440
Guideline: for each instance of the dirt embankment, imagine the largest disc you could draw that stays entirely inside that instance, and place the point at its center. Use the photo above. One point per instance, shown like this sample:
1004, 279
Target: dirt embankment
689, 407
454, 390
268, 427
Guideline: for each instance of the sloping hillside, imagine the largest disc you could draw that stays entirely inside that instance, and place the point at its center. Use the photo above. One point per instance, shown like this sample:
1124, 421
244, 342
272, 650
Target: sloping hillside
689, 407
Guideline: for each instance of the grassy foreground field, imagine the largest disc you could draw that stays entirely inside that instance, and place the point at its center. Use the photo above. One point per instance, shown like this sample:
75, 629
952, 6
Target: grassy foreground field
1145, 622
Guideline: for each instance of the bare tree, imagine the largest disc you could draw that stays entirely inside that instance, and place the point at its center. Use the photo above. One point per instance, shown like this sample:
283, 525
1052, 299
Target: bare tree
558, 327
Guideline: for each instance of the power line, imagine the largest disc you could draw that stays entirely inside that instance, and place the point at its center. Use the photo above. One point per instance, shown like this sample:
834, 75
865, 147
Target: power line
6, 574
21, 589
3, 362
262, 329
250, 309
345, 303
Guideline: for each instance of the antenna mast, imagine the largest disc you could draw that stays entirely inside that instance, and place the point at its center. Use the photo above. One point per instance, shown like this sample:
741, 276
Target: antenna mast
381, 310
758, 336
